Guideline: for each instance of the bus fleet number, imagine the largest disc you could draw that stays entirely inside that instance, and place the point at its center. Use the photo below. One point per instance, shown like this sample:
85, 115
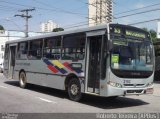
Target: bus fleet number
126, 82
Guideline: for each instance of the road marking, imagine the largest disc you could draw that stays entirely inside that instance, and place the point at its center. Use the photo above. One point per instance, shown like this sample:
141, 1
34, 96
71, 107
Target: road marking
3, 87
46, 100
156, 95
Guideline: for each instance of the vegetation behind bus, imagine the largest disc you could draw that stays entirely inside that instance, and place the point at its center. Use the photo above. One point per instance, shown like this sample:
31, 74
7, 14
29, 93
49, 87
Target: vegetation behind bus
1, 27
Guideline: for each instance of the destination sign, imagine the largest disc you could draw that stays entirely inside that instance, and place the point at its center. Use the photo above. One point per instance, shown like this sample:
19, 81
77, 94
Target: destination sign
135, 34
127, 32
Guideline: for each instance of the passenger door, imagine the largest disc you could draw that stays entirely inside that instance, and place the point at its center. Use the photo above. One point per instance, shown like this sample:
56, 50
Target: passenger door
12, 59
94, 48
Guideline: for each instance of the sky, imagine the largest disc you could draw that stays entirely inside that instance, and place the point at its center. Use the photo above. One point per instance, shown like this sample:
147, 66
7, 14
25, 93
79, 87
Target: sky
72, 13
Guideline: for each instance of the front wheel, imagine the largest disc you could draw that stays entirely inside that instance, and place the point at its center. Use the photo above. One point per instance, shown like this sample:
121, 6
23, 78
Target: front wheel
112, 97
22, 80
74, 89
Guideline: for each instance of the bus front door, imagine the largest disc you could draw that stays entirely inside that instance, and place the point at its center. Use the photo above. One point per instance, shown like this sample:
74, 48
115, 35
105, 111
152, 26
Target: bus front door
94, 58
12, 56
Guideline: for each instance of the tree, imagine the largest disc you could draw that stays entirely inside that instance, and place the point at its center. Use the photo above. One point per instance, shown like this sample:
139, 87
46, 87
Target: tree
153, 34
145, 29
1, 27
155, 41
58, 29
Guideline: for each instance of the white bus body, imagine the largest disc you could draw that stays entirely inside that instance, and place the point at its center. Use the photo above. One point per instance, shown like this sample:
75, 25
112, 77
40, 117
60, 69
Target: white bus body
85, 61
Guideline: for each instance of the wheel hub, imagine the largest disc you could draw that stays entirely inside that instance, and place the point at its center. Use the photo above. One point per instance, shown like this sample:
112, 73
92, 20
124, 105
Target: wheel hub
74, 89
22, 80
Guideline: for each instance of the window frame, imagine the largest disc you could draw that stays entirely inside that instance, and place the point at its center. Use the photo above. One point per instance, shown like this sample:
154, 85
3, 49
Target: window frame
51, 54
75, 49
39, 49
20, 51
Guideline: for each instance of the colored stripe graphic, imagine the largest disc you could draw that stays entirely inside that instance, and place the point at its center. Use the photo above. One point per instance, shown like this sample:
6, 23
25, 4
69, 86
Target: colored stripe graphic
55, 66
69, 66
52, 68
61, 70
58, 64
66, 64
47, 62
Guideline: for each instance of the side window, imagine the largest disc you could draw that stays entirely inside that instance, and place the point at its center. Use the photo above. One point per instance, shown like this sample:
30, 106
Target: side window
52, 48
6, 51
22, 50
35, 49
74, 47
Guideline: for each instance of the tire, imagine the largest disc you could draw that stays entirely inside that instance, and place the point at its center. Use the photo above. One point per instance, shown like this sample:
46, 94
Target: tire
22, 80
74, 90
112, 97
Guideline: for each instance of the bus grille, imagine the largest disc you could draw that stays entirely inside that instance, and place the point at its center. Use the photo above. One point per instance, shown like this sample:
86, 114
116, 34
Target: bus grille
133, 85
134, 91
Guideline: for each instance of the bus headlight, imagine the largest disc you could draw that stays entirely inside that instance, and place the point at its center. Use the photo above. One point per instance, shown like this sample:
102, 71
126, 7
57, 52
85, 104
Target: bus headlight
149, 84
115, 84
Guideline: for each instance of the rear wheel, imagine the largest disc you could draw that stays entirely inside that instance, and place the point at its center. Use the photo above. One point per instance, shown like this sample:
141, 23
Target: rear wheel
22, 80
74, 89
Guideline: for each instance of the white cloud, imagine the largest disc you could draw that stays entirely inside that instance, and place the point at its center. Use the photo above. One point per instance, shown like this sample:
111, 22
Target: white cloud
139, 5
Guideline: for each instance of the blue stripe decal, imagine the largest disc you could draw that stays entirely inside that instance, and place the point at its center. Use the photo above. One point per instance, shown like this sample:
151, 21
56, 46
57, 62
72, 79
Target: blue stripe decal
61, 70
47, 62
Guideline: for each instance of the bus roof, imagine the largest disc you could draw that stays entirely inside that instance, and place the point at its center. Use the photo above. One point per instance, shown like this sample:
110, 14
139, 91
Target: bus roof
98, 27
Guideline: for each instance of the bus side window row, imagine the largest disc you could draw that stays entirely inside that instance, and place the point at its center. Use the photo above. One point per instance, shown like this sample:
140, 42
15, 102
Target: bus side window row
73, 48
37, 54
73, 53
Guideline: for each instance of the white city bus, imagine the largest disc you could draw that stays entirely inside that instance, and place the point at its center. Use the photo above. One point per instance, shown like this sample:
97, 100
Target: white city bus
108, 60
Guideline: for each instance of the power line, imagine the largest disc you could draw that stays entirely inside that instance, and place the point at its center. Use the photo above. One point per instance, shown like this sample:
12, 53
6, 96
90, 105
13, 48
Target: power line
144, 21
80, 25
57, 9
11, 3
7, 19
137, 13
131, 10
76, 23
137, 9
8, 7
123, 17
87, 18
53, 10
103, 11
128, 24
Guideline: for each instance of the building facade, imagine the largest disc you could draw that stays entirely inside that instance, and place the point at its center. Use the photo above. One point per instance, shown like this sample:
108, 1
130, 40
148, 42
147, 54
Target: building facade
48, 26
99, 12
11, 35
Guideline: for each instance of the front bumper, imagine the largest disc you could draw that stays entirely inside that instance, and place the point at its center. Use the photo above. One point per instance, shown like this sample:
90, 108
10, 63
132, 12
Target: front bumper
114, 91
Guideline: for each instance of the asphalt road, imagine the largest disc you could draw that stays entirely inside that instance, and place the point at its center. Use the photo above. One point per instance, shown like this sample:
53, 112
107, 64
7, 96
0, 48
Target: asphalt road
37, 99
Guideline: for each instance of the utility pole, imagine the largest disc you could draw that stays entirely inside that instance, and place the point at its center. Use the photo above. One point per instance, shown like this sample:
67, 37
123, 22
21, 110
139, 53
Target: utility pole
101, 11
26, 16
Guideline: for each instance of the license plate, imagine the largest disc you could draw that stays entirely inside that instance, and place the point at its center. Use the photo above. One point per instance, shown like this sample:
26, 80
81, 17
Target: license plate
149, 90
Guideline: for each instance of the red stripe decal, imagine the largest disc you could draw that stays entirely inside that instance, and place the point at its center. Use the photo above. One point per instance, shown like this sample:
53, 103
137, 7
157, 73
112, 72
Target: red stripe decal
66, 64
52, 69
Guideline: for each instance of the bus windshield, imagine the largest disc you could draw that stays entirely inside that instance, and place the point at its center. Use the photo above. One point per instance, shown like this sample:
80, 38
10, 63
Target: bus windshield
132, 55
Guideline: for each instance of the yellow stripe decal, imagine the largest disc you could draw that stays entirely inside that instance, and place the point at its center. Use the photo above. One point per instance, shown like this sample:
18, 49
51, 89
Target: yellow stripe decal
58, 64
